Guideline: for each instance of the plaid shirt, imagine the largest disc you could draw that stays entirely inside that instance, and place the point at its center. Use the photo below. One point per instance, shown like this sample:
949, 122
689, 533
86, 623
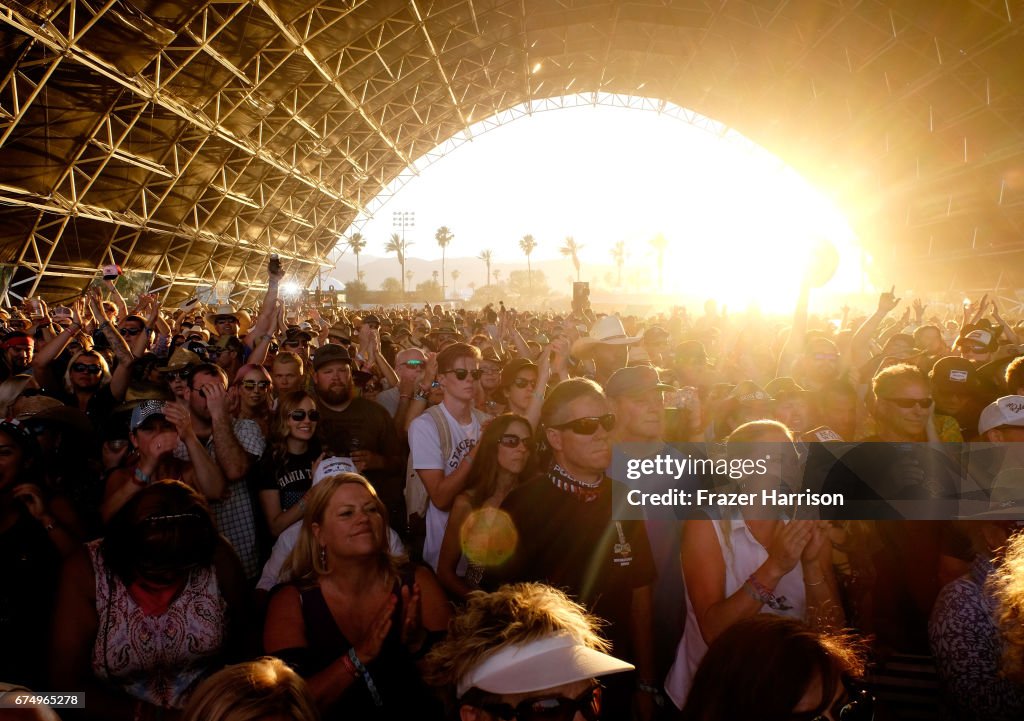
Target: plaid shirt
235, 512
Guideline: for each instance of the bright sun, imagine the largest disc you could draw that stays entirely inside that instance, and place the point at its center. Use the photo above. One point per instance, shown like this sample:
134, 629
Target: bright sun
739, 224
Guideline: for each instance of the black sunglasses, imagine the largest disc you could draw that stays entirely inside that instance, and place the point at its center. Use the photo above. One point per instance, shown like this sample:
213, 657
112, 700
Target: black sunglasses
225, 319
587, 426
300, 415
86, 368
462, 373
182, 375
511, 440
129, 331
911, 402
550, 708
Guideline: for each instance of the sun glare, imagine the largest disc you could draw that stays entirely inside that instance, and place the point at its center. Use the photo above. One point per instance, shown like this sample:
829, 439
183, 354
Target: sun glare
739, 225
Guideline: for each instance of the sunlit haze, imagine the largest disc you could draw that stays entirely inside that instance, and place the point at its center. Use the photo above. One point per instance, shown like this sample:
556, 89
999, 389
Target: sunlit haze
738, 222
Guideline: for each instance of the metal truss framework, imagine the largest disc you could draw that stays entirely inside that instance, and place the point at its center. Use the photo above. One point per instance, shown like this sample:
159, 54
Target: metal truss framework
192, 139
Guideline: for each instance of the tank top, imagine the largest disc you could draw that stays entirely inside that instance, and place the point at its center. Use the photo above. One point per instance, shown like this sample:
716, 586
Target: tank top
157, 659
743, 555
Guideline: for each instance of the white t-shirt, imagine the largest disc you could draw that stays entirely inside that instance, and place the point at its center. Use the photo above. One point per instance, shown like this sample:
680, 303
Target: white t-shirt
425, 447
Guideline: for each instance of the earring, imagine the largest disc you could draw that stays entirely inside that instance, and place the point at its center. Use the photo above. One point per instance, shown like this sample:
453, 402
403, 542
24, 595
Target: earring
323, 556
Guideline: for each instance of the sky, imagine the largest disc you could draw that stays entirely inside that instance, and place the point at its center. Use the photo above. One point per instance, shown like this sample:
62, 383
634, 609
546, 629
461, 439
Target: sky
603, 174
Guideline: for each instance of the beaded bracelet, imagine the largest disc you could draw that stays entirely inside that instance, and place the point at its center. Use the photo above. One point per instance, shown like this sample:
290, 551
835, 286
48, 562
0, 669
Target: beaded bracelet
349, 666
367, 678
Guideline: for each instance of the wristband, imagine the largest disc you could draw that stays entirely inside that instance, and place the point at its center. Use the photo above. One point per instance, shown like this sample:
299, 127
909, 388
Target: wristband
367, 678
302, 504
816, 583
349, 666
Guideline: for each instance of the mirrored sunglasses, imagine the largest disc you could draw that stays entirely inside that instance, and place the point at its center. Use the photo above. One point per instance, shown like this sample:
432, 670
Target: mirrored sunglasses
253, 385
525, 383
86, 368
414, 363
588, 426
182, 375
550, 708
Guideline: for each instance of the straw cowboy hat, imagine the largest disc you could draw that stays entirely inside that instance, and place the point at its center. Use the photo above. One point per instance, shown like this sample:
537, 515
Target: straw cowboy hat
607, 330
244, 321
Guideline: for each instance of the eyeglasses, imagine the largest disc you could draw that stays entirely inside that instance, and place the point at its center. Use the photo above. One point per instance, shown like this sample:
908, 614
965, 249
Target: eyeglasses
414, 363
86, 368
587, 426
856, 705
524, 383
461, 373
550, 708
910, 402
301, 415
511, 440
130, 331
178, 375
253, 385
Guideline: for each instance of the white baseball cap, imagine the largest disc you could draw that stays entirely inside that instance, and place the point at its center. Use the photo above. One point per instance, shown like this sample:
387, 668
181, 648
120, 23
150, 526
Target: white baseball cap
1006, 411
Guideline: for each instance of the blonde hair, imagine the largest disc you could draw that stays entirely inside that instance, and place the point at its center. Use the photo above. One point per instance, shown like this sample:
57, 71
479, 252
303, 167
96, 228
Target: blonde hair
100, 361
513, 614
304, 564
257, 690
1006, 584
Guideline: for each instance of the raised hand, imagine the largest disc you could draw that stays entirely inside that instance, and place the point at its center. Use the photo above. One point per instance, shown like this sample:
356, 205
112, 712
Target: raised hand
412, 621
888, 301
788, 544
369, 648
919, 309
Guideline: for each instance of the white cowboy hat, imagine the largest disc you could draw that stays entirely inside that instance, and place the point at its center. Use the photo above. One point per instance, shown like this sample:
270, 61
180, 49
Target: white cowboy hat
607, 330
244, 321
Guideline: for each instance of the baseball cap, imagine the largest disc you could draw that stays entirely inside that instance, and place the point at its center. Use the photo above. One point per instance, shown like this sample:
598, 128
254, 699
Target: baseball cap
634, 380
784, 387
1005, 411
333, 466
330, 353
953, 374
541, 663
144, 411
748, 392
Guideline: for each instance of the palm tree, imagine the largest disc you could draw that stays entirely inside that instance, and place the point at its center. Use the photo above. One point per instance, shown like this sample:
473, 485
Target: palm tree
455, 278
398, 245
572, 249
356, 243
497, 276
660, 244
619, 256
527, 244
443, 236
485, 256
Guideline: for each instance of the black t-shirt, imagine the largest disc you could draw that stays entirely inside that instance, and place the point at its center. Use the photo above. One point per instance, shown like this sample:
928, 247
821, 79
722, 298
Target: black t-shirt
373, 429
292, 476
576, 546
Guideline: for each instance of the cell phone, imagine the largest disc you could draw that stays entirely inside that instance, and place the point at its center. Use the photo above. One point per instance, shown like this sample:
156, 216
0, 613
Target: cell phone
111, 272
274, 264
190, 303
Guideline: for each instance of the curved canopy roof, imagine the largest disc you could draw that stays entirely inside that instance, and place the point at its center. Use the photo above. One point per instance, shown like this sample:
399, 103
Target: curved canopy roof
192, 139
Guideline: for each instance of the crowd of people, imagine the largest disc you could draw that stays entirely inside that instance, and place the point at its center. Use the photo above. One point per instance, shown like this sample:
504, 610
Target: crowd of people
413, 512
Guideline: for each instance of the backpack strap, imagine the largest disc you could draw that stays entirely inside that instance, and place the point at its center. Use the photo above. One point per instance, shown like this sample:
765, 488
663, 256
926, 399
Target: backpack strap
444, 433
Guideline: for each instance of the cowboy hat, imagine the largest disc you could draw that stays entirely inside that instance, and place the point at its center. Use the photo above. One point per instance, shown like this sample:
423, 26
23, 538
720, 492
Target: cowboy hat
607, 330
243, 318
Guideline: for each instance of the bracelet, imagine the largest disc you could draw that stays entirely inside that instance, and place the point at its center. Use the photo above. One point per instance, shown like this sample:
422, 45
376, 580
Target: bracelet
367, 678
349, 666
50, 526
420, 396
141, 477
302, 504
765, 595
816, 583
405, 397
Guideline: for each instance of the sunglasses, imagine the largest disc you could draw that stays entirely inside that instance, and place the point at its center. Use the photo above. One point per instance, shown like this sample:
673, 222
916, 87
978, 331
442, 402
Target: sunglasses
550, 708
178, 375
911, 402
461, 373
524, 383
86, 368
414, 363
301, 415
225, 319
295, 343
587, 426
856, 705
976, 349
511, 440
253, 385
129, 331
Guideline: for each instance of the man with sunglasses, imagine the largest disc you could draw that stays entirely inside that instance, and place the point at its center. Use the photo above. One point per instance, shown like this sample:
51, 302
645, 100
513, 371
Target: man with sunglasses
525, 653
568, 535
178, 371
453, 425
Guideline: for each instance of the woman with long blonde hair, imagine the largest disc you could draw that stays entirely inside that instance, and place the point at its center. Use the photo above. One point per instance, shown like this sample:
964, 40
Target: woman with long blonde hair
355, 619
